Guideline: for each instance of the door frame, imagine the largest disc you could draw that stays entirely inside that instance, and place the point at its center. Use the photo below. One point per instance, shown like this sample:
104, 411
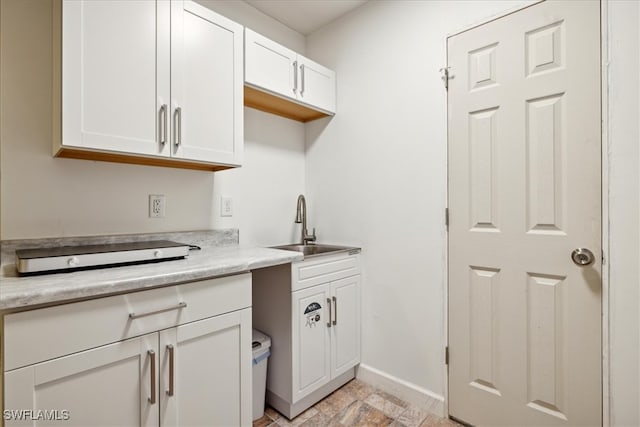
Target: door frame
604, 204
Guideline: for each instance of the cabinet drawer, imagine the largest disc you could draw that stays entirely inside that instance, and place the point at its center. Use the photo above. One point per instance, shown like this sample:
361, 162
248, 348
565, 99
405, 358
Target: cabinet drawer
38, 335
324, 269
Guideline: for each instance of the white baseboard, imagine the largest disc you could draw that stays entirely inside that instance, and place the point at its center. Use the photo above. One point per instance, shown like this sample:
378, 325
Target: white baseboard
418, 396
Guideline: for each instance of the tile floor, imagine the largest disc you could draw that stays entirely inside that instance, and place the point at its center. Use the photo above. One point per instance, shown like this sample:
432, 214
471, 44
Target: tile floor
357, 404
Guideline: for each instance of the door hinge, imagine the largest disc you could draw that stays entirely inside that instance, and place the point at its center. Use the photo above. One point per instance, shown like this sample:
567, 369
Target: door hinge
444, 72
446, 218
446, 355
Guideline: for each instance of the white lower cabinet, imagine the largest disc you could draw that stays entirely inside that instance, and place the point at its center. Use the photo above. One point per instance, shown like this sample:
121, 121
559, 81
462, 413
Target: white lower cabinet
311, 311
203, 381
195, 373
311, 340
326, 333
345, 332
105, 385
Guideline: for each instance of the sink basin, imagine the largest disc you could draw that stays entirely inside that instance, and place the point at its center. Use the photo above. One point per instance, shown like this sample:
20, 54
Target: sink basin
312, 250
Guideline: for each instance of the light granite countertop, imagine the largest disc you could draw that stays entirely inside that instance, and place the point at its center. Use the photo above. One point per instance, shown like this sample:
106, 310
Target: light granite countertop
220, 255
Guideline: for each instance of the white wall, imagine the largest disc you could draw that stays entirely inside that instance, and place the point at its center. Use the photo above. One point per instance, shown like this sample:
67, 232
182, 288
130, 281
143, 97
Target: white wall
265, 196
247, 15
376, 172
624, 212
376, 176
43, 196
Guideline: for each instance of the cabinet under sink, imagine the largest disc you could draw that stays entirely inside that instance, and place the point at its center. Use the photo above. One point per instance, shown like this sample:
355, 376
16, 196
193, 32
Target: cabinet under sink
311, 311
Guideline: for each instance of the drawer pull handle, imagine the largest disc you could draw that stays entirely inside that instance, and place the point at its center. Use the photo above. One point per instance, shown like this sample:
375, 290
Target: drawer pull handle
134, 316
335, 310
171, 372
163, 124
152, 355
295, 76
178, 127
329, 305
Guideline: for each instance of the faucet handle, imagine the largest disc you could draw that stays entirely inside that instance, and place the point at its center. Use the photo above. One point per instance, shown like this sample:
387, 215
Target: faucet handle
308, 237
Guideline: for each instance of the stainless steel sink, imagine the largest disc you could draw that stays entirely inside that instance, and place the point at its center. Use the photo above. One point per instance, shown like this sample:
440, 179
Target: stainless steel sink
315, 249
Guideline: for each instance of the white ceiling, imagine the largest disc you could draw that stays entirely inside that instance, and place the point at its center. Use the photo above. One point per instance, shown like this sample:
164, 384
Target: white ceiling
305, 16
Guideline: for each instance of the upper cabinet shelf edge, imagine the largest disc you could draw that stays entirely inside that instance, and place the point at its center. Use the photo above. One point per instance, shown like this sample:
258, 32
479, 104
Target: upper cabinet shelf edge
283, 82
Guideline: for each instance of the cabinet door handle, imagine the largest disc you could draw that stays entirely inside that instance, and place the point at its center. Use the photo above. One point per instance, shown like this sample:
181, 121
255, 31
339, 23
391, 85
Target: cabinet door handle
295, 76
134, 316
301, 79
329, 305
152, 356
170, 349
178, 126
335, 310
163, 124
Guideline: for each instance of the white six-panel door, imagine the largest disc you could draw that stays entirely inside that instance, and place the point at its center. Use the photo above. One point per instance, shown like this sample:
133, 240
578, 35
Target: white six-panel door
524, 192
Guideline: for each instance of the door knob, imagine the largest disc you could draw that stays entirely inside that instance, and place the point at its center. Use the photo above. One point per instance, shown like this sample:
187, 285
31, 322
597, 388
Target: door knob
582, 256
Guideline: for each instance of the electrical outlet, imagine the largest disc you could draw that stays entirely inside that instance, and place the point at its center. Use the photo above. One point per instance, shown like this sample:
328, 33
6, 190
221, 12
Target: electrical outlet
156, 205
226, 206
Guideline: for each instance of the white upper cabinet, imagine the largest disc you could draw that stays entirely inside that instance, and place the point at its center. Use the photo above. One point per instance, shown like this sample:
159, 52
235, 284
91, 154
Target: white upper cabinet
269, 66
115, 78
152, 82
317, 85
206, 85
273, 69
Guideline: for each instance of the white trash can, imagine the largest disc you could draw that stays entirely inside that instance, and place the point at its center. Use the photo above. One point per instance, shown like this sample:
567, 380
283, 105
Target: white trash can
260, 348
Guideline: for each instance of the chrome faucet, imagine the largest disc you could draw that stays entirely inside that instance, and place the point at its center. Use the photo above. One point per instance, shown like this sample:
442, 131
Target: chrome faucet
301, 217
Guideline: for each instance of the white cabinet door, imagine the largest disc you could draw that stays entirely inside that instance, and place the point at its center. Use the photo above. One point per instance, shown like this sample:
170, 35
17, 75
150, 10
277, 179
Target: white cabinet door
311, 340
275, 69
345, 328
206, 85
109, 385
269, 66
206, 372
317, 85
115, 68
151, 79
